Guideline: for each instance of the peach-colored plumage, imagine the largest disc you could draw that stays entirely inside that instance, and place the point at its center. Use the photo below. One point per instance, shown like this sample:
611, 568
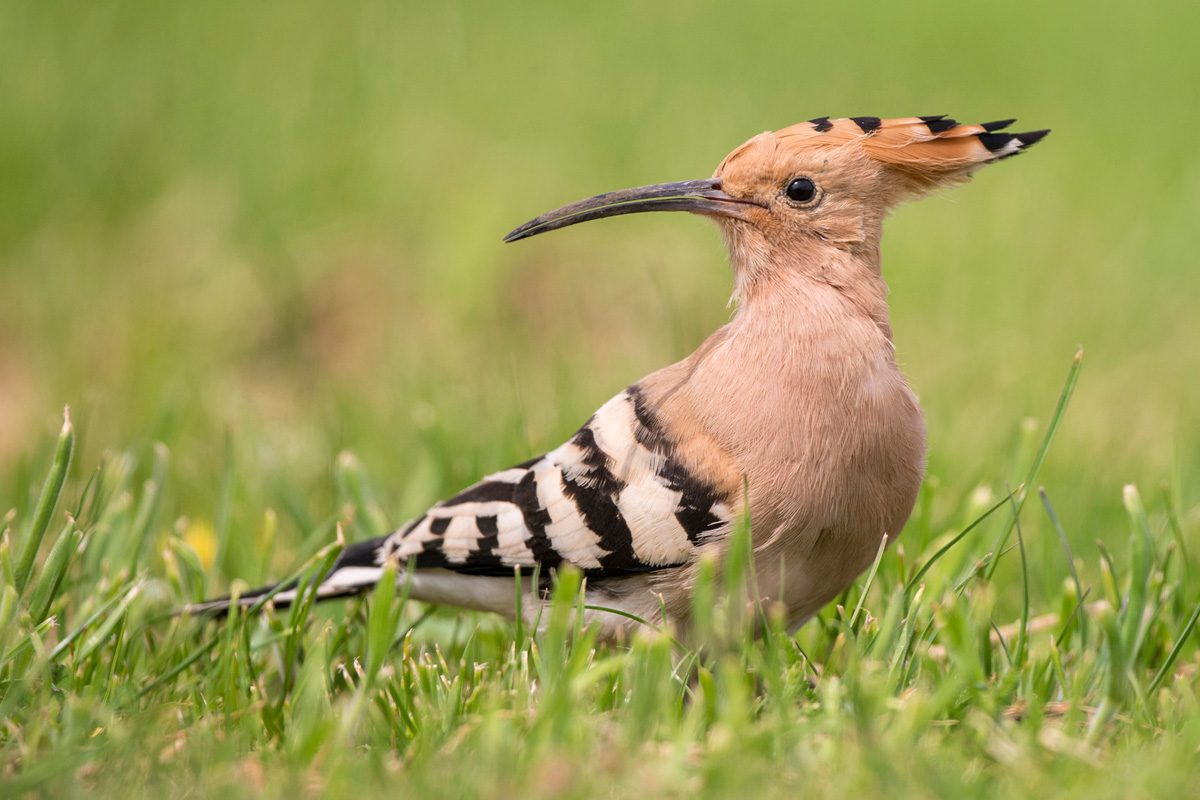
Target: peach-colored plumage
796, 406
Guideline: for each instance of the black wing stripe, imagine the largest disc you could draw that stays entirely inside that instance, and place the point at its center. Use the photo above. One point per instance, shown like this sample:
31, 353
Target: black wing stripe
696, 497
602, 517
484, 553
648, 433
696, 522
696, 501
536, 519
483, 492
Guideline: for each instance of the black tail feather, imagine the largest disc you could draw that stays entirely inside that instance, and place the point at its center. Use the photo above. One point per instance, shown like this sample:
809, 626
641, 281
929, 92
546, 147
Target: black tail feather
359, 556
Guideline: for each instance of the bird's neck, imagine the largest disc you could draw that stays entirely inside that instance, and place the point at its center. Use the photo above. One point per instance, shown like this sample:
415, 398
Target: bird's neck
811, 284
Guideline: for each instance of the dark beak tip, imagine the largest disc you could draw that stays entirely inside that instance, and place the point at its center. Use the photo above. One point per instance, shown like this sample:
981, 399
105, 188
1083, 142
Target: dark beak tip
516, 235
697, 196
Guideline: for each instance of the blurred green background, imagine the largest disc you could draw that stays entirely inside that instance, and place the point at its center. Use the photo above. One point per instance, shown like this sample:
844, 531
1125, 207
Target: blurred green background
262, 233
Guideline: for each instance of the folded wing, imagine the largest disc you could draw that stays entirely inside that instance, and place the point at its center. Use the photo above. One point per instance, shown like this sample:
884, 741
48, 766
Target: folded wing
613, 500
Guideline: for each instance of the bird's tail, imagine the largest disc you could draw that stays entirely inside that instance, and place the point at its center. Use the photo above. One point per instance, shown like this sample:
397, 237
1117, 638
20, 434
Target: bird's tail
354, 572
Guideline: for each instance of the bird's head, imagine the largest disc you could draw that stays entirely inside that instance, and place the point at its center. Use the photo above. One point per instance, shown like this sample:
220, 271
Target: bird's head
817, 188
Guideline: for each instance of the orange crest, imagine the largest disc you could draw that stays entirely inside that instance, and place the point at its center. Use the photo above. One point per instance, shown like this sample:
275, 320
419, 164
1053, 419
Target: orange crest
925, 152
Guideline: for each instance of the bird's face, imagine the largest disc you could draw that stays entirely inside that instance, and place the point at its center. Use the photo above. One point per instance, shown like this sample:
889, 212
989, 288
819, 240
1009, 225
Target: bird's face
793, 197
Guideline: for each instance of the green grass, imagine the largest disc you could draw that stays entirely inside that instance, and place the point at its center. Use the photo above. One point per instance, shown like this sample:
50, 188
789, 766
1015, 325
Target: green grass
242, 241
915, 690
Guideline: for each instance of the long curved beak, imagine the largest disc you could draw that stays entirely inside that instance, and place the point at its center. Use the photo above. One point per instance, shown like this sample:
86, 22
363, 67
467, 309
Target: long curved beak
699, 197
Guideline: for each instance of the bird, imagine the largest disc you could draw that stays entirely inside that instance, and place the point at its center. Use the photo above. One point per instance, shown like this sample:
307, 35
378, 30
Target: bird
794, 415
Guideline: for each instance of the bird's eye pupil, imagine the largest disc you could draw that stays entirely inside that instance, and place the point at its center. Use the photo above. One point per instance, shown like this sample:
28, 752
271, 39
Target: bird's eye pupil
801, 190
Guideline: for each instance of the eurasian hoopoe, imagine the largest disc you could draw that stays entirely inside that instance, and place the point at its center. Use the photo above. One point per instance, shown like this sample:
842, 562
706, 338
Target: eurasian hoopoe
796, 406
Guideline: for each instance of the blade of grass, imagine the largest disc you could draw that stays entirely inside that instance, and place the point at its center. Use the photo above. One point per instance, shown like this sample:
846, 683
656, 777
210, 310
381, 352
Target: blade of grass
51, 491
147, 508
381, 622
1173, 513
1079, 611
355, 486
322, 561
867, 584
520, 612
9, 602
224, 514
1023, 633
1165, 669
196, 655
7, 572
101, 634
1117, 686
92, 485
1062, 538
916, 579
87, 623
45, 590
1064, 399
638, 619
1141, 565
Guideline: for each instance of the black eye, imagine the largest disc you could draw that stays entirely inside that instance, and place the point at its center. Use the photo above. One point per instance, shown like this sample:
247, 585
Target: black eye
801, 190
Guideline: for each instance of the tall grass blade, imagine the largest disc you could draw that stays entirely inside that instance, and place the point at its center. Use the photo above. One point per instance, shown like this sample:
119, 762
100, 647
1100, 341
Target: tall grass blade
1180, 640
115, 617
47, 501
862, 596
1023, 633
381, 622
147, 509
355, 486
1066, 546
1170, 502
1141, 565
1116, 689
9, 602
45, 590
1060, 409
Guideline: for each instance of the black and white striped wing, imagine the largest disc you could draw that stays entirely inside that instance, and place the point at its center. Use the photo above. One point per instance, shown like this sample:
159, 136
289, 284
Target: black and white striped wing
611, 501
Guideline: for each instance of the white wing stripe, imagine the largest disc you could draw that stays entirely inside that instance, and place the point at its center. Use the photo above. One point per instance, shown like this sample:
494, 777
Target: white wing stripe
614, 428
649, 509
510, 538
460, 539
470, 509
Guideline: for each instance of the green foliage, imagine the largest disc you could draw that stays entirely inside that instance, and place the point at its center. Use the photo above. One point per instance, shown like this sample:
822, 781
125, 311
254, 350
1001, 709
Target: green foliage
917, 687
